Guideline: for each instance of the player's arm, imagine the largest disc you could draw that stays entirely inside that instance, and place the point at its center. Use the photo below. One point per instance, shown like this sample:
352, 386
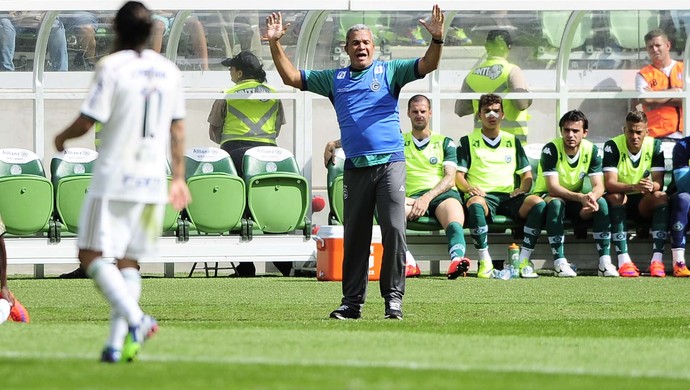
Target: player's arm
78, 128
464, 161
421, 204
274, 31
432, 57
610, 168
596, 175
658, 166
523, 169
179, 193
216, 119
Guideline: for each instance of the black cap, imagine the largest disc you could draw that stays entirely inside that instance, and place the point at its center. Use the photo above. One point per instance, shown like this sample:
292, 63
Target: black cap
245, 61
495, 34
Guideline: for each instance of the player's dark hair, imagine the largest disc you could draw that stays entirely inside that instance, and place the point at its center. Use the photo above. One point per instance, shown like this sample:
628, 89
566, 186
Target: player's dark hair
133, 26
574, 116
489, 99
636, 116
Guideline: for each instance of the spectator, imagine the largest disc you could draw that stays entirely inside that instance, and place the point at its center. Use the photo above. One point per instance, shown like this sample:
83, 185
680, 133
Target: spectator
84, 26
564, 163
365, 97
497, 75
239, 125
122, 213
488, 159
664, 115
29, 22
634, 179
163, 20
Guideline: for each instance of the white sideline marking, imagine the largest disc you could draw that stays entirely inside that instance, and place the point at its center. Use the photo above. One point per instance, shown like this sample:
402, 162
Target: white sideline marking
414, 366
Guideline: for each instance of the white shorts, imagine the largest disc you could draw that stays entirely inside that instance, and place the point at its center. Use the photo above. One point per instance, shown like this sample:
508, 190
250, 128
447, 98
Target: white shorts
120, 229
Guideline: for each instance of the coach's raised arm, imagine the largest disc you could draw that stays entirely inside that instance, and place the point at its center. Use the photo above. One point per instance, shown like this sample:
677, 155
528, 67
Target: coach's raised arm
360, 52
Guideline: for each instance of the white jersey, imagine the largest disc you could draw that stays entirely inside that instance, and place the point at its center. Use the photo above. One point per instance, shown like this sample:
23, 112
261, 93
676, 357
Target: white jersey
136, 96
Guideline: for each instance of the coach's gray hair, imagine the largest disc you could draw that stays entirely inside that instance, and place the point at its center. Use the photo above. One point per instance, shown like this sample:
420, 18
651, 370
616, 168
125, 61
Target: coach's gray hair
357, 27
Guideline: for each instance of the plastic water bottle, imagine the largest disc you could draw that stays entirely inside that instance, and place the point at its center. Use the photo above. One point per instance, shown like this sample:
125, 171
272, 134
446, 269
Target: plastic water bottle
503, 274
514, 260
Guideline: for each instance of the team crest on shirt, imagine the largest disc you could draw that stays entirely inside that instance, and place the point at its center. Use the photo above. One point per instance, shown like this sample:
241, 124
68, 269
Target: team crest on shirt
433, 160
582, 175
508, 158
341, 75
375, 86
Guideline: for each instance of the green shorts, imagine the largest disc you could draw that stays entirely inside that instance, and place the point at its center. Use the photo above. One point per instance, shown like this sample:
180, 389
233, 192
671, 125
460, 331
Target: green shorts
500, 203
433, 205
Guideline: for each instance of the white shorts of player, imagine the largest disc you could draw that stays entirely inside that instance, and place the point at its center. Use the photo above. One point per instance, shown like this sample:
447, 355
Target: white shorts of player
120, 229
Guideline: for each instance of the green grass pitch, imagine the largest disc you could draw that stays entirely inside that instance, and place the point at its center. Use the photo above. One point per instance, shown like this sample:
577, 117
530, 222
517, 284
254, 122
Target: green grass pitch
273, 333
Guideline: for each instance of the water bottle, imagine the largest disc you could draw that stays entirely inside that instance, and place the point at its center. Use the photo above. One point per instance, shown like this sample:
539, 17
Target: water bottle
514, 260
503, 274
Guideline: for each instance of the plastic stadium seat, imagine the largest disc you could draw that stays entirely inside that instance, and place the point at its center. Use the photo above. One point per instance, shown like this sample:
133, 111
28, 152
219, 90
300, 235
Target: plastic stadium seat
26, 195
335, 188
218, 193
277, 193
630, 27
553, 25
71, 173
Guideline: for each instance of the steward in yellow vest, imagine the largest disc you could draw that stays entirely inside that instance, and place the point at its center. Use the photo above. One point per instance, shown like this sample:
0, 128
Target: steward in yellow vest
497, 75
241, 124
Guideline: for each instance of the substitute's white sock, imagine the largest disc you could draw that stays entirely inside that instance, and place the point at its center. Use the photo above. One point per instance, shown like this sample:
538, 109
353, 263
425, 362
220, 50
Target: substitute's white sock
678, 255
657, 256
606, 259
112, 284
525, 253
483, 254
623, 258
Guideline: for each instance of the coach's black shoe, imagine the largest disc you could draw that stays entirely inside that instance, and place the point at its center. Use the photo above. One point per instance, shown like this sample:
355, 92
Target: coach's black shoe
345, 312
78, 273
393, 310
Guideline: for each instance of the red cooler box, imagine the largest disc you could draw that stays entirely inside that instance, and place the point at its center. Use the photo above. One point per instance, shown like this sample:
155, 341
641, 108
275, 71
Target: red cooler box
329, 253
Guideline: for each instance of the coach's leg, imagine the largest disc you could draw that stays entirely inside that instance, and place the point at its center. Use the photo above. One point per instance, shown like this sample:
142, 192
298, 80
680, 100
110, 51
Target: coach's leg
358, 212
390, 201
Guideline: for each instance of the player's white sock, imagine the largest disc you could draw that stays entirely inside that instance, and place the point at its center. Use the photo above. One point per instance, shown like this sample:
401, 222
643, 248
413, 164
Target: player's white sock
118, 324
657, 256
605, 259
525, 253
623, 258
483, 254
112, 284
678, 255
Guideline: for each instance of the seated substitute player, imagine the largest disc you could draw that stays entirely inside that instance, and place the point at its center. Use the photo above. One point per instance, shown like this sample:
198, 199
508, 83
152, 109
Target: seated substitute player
629, 160
430, 185
680, 206
564, 163
488, 159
